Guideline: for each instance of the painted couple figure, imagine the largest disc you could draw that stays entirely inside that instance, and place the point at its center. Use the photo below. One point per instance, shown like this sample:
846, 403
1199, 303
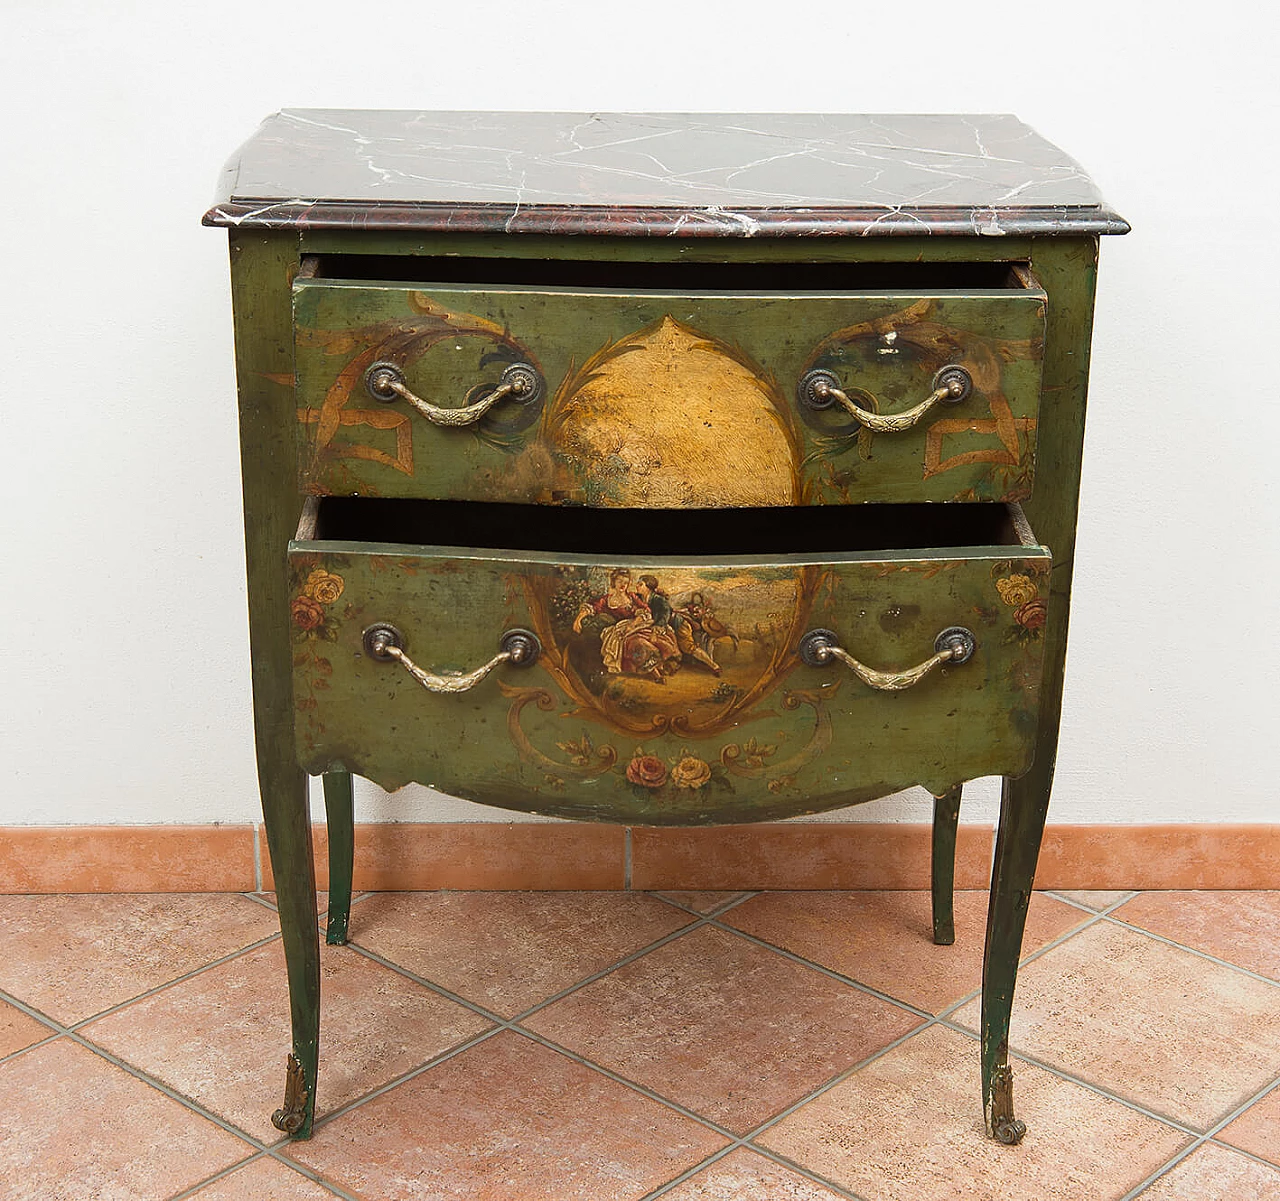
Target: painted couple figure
647, 636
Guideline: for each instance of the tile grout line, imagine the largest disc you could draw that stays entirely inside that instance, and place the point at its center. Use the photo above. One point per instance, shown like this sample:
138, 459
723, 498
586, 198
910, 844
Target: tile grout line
1235, 967
799, 1169
169, 1092
191, 1189
512, 1024
1053, 944
643, 1089
358, 1102
1108, 909
1266, 1163
43, 1042
625, 961
827, 1086
258, 899
714, 1158
1200, 1140
701, 919
493, 1015
714, 911
745, 1140
269, 1153
1103, 1090
159, 988
1100, 1089
830, 973
939, 1020
1059, 895
68, 1028
38, 1015
274, 1152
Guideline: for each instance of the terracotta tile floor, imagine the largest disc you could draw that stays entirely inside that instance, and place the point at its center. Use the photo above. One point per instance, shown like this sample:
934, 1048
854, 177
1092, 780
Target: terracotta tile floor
695, 1046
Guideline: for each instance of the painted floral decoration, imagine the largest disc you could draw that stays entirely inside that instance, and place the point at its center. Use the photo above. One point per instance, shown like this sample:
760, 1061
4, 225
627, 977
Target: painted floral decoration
307, 613
1016, 590
309, 610
647, 771
323, 586
690, 771
1020, 591
1032, 615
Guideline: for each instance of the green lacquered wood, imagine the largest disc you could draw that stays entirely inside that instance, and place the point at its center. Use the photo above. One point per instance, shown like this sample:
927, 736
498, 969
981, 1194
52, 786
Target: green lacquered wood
942, 878
262, 266
340, 822
343, 326
667, 250
452, 606
1066, 268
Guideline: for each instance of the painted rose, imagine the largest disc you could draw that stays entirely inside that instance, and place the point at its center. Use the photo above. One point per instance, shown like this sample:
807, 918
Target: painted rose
1016, 590
690, 772
307, 614
323, 586
648, 771
1032, 615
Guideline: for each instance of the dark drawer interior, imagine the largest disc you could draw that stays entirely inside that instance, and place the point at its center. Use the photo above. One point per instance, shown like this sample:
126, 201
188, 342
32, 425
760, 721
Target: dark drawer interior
679, 277
817, 532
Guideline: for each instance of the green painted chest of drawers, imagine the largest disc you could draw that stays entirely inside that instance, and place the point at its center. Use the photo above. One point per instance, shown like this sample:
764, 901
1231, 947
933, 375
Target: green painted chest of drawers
659, 470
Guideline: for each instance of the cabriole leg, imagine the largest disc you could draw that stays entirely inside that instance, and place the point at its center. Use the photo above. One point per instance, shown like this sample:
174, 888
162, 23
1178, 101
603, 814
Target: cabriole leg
340, 819
1023, 805
289, 840
946, 817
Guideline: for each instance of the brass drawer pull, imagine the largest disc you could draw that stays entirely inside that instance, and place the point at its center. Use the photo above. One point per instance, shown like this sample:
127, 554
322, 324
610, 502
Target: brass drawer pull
385, 643
821, 389
385, 381
954, 645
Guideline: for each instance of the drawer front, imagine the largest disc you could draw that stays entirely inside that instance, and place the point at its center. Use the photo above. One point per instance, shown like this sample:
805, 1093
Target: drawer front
666, 401
667, 691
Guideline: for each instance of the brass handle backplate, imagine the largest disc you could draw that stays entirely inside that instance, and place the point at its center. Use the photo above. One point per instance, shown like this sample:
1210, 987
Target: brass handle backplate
385, 382
955, 644
385, 643
820, 389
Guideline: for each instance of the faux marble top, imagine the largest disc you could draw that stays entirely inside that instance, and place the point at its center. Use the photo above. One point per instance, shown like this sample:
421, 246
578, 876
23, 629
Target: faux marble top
657, 174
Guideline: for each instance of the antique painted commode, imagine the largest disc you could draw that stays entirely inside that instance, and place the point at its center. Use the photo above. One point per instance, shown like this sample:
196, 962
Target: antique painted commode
659, 470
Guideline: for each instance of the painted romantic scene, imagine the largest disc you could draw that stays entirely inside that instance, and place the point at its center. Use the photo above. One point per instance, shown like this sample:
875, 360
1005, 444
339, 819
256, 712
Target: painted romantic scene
672, 640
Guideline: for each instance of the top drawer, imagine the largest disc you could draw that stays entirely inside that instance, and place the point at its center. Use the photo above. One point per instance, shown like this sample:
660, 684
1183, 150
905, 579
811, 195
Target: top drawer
781, 386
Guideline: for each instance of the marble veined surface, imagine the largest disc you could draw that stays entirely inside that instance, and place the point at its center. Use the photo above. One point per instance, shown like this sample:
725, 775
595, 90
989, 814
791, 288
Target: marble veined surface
657, 174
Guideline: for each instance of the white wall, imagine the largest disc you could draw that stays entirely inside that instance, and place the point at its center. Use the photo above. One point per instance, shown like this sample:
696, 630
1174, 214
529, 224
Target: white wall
124, 682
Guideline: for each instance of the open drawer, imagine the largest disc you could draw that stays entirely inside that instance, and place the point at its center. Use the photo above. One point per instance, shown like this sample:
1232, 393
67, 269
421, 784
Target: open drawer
678, 684
654, 385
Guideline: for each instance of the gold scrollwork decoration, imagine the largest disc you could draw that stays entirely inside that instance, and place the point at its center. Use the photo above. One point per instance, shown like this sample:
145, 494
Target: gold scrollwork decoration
585, 762
739, 760
1005, 1128
290, 1116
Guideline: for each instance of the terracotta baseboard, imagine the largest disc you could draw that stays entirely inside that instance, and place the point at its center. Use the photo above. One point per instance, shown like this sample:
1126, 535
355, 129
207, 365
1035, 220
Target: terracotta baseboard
127, 859
584, 856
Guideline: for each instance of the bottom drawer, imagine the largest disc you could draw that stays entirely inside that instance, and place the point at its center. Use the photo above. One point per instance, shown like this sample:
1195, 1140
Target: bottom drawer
666, 667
